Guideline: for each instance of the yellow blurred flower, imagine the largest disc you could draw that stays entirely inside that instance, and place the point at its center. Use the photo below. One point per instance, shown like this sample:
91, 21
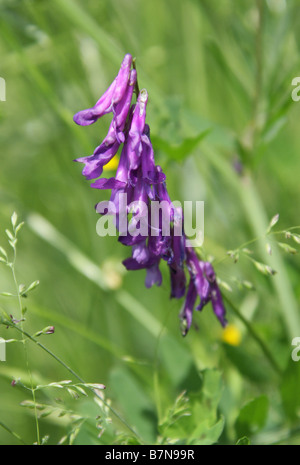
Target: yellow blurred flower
232, 335
113, 274
112, 164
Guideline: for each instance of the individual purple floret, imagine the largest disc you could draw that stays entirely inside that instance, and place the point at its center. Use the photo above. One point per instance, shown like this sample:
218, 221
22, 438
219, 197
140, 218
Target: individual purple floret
112, 96
120, 101
141, 182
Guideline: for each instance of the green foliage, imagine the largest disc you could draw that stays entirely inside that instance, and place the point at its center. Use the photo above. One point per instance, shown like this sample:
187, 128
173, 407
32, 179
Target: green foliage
246, 364
244, 441
225, 127
181, 151
252, 416
289, 390
194, 420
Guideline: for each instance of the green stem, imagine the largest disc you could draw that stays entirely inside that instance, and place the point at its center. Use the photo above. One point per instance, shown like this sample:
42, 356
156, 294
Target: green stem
12, 433
256, 337
156, 369
259, 66
25, 347
136, 88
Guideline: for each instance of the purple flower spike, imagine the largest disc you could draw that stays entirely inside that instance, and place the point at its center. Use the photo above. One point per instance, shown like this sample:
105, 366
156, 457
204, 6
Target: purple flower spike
158, 239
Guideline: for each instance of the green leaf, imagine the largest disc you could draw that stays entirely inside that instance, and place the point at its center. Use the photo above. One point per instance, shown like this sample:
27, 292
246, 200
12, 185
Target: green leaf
179, 151
252, 416
244, 441
245, 363
137, 406
273, 128
207, 434
173, 354
216, 51
289, 390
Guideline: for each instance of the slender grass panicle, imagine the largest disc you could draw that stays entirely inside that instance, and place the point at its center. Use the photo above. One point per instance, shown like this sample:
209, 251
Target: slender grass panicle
143, 182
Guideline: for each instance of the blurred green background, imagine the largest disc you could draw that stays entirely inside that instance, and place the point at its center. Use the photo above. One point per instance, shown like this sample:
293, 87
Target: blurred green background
217, 68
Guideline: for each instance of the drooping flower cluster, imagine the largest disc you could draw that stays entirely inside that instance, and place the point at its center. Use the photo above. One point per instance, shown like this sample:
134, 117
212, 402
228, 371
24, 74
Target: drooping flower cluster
144, 183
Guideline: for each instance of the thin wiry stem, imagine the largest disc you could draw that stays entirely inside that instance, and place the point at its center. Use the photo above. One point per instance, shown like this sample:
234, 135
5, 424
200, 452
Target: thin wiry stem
10, 431
259, 66
24, 343
256, 239
156, 367
136, 88
256, 337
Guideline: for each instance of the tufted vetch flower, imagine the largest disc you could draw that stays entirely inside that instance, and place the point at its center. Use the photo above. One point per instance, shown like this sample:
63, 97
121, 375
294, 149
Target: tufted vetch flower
142, 183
